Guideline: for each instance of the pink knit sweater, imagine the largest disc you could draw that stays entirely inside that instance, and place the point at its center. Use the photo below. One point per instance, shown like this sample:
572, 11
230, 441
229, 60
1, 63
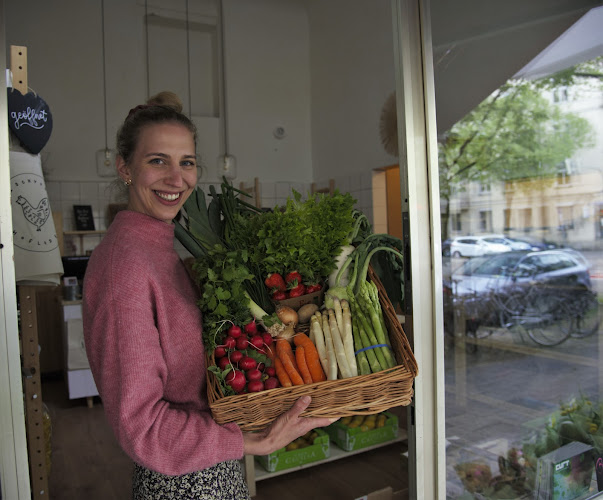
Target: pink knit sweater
143, 338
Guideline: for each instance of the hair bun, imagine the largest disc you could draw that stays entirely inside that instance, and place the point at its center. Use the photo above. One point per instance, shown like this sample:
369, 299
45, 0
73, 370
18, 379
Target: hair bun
167, 99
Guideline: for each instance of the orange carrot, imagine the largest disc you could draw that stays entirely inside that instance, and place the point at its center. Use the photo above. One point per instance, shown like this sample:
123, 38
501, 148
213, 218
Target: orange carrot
312, 358
281, 373
285, 354
300, 357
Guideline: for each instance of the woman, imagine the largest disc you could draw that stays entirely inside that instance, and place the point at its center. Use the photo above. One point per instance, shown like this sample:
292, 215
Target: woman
143, 329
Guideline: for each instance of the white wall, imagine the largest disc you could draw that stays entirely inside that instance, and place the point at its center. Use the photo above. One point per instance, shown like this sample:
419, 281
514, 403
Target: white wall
351, 47
268, 75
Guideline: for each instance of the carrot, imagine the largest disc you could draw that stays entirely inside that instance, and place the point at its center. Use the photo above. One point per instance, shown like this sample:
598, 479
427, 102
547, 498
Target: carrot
281, 373
300, 357
312, 357
285, 354
283, 349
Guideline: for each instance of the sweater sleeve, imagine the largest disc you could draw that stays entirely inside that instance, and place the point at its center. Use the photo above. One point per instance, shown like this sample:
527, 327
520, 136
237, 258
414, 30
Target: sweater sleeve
129, 367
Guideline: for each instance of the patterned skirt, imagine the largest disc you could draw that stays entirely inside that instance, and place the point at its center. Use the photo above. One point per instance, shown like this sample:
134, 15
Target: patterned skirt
223, 481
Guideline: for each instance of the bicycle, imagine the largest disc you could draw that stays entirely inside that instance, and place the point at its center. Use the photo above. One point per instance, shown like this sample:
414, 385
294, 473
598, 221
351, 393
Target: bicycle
584, 306
541, 312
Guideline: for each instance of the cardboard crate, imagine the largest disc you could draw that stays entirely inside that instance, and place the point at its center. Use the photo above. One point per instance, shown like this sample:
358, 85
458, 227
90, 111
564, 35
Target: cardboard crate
283, 459
355, 438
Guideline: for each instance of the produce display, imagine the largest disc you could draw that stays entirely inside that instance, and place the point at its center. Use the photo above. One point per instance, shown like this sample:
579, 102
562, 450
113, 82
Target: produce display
250, 262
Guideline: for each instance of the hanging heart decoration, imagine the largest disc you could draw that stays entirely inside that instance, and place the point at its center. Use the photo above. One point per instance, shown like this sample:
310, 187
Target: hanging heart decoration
30, 119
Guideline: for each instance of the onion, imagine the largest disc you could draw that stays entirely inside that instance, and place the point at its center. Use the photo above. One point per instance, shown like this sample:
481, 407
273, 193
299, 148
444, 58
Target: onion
287, 333
287, 315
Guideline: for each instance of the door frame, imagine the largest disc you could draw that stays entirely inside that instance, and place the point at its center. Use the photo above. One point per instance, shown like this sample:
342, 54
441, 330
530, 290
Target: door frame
14, 472
419, 185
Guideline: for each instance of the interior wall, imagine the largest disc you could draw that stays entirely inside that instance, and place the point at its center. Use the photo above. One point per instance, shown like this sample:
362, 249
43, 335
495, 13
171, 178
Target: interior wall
268, 86
267, 68
352, 68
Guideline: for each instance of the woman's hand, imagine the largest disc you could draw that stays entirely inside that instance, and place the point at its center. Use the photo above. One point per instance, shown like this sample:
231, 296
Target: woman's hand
286, 428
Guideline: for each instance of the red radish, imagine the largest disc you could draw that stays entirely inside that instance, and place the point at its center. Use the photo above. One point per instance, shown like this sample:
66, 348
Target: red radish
261, 366
255, 386
270, 371
223, 363
235, 356
230, 342
271, 383
267, 338
242, 342
251, 328
254, 374
235, 331
219, 352
236, 380
257, 341
247, 363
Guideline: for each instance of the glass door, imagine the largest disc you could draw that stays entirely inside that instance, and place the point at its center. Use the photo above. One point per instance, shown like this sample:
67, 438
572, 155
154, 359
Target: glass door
520, 142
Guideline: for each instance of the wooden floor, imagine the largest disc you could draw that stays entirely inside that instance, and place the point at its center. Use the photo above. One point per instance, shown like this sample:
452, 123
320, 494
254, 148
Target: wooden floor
87, 463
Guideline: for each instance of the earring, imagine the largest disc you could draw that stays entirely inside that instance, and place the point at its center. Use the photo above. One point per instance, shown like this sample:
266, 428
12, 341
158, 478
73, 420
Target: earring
128, 182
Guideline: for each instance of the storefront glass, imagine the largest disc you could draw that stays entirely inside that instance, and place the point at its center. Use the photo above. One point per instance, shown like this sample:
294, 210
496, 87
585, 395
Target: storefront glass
521, 186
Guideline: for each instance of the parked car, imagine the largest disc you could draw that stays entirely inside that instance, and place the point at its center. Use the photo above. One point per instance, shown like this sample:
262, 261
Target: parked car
473, 246
471, 284
530, 244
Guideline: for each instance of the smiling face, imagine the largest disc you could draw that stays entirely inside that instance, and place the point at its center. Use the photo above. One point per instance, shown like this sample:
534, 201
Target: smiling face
163, 170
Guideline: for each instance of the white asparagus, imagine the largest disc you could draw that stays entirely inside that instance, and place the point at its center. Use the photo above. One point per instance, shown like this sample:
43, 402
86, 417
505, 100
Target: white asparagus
342, 360
319, 341
348, 338
338, 313
331, 370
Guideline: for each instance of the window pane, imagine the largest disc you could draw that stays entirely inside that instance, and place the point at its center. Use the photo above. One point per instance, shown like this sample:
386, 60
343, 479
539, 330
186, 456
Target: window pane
523, 350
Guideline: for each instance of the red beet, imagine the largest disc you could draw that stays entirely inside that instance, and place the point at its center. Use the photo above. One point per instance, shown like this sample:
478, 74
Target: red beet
255, 386
235, 331
271, 383
242, 343
230, 342
257, 341
223, 363
247, 363
254, 374
251, 328
235, 356
236, 380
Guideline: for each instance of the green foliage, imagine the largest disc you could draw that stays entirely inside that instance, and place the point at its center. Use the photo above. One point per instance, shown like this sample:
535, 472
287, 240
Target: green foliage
305, 235
222, 276
515, 133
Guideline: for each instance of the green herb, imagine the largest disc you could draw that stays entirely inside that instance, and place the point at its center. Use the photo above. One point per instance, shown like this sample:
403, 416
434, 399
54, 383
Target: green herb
305, 235
222, 276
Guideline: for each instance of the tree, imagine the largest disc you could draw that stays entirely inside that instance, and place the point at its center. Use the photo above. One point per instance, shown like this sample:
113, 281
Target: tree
515, 133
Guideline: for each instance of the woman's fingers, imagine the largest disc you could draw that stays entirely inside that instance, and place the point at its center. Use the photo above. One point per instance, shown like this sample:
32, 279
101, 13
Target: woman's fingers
285, 429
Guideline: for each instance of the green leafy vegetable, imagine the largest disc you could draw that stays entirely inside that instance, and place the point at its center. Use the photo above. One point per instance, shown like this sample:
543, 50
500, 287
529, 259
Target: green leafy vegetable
305, 235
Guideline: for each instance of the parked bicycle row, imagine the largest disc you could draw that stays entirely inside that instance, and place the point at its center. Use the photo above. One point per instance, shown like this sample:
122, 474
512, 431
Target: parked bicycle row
546, 294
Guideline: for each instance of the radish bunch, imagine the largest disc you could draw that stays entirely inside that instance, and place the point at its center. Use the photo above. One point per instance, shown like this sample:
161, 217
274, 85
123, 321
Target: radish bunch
242, 358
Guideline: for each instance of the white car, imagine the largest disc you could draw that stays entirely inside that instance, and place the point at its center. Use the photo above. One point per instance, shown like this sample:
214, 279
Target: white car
472, 246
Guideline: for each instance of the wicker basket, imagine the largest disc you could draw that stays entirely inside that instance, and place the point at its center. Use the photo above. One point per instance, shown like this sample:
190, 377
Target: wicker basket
360, 395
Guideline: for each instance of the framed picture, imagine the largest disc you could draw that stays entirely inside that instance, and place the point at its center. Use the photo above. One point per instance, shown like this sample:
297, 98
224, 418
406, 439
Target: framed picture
84, 220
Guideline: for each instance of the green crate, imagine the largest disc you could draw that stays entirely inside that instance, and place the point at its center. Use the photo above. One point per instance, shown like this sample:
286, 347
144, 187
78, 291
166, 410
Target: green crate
355, 438
283, 459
